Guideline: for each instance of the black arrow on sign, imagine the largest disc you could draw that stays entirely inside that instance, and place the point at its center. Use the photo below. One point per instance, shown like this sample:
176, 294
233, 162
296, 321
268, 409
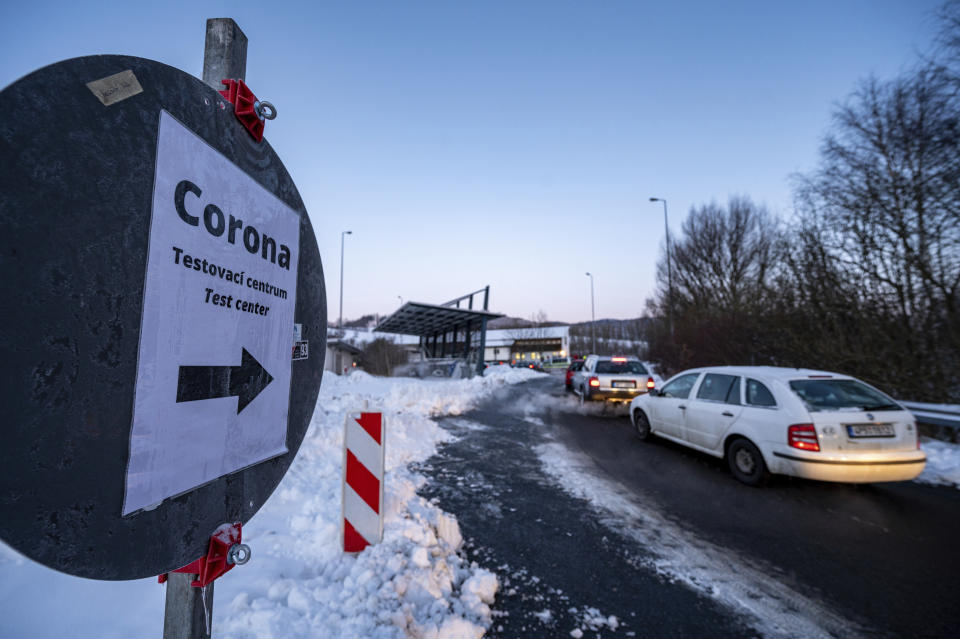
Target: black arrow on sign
209, 382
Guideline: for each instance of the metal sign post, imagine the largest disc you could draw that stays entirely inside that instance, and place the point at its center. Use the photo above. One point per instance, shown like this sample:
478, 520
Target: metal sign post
188, 611
224, 52
159, 266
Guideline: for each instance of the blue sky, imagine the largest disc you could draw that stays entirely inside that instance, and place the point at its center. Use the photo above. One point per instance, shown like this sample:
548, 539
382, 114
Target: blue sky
514, 144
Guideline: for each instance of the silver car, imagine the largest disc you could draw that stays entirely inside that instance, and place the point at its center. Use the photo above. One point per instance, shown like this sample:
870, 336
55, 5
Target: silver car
615, 379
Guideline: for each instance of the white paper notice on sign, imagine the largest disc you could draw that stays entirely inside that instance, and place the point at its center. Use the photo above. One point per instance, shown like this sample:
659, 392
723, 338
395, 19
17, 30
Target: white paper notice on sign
213, 370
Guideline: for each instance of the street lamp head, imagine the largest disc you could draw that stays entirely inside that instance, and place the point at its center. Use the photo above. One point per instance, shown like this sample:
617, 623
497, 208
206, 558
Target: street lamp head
588, 275
348, 233
654, 199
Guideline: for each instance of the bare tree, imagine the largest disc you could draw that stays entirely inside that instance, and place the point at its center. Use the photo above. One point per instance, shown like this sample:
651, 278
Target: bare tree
886, 201
948, 53
722, 260
867, 280
722, 270
381, 355
534, 328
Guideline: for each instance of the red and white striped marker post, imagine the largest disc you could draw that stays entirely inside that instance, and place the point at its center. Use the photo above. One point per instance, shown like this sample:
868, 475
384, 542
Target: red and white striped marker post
363, 440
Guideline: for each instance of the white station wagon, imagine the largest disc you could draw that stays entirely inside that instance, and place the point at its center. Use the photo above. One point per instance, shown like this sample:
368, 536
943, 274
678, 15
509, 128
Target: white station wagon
790, 421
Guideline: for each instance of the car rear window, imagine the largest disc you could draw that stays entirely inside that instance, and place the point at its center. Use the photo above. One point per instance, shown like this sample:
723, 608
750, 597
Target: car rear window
759, 395
834, 394
619, 368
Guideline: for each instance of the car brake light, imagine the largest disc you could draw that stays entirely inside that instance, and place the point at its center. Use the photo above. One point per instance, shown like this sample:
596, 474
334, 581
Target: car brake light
650, 383
594, 382
803, 436
618, 359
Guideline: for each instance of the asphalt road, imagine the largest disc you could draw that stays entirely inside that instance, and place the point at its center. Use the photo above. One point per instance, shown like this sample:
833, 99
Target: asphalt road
682, 549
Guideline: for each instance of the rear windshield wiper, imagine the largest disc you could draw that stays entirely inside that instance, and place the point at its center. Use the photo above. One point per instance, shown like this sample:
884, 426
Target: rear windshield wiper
881, 407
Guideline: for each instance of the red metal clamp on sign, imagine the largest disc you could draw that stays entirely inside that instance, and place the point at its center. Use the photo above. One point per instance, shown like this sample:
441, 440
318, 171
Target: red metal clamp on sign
224, 553
249, 110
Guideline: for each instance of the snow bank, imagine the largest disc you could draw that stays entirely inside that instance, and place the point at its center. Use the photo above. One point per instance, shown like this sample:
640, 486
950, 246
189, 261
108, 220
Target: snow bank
943, 463
415, 583
298, 582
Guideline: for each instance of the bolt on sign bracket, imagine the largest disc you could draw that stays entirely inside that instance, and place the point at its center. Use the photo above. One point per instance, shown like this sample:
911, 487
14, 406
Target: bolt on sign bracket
224, 553
251, 112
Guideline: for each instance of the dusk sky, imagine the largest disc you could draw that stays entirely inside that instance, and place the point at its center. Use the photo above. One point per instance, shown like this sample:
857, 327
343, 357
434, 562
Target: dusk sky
514, 144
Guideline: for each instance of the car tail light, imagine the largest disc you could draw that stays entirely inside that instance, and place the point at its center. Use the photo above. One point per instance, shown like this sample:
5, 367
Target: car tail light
594, 382
803, 436
650, 383
618, 359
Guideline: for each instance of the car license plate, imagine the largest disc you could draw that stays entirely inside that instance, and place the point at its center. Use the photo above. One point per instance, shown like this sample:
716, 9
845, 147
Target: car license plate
870, 430
630, 384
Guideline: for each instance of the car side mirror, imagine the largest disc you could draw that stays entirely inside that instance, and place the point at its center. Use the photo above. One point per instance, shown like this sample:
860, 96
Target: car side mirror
653, 392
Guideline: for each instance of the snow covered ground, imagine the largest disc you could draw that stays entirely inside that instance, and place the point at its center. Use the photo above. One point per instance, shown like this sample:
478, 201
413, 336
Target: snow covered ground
299, 583
943, 463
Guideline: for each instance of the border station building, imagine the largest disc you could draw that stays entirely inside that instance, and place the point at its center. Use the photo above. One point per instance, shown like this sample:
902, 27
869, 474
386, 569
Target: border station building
547, 344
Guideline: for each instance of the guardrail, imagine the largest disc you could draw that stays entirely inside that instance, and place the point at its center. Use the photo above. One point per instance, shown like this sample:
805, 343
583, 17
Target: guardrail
936, 421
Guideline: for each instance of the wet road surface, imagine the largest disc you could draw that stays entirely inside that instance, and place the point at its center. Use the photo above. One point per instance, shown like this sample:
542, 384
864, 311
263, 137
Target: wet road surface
681, 549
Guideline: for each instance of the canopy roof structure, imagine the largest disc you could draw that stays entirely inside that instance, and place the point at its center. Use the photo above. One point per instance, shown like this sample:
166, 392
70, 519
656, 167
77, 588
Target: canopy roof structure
445, 330
428, 320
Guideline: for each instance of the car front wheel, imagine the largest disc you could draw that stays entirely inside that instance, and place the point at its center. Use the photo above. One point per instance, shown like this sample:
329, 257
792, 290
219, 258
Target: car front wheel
746, 462
642, 424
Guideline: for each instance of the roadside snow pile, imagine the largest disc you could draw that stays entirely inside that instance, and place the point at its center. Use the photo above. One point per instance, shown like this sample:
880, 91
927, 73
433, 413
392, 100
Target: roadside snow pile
943, 463
298, 582
415, 583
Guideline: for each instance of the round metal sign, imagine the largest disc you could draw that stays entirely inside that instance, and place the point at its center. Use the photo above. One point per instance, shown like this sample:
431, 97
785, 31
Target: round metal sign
164, 321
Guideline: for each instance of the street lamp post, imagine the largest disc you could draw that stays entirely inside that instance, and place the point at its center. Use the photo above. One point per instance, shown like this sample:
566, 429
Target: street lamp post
342, 234
593, 317
666, 228
340, 324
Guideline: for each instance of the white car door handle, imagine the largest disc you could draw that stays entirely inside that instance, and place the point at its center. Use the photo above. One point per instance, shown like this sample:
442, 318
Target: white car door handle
727, 413
682, 407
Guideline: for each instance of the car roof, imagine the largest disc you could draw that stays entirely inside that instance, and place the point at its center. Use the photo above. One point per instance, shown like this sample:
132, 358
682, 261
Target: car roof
770, 372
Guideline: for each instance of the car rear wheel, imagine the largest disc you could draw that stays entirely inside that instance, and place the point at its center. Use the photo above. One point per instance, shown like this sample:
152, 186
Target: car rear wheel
746, 462
642, 424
